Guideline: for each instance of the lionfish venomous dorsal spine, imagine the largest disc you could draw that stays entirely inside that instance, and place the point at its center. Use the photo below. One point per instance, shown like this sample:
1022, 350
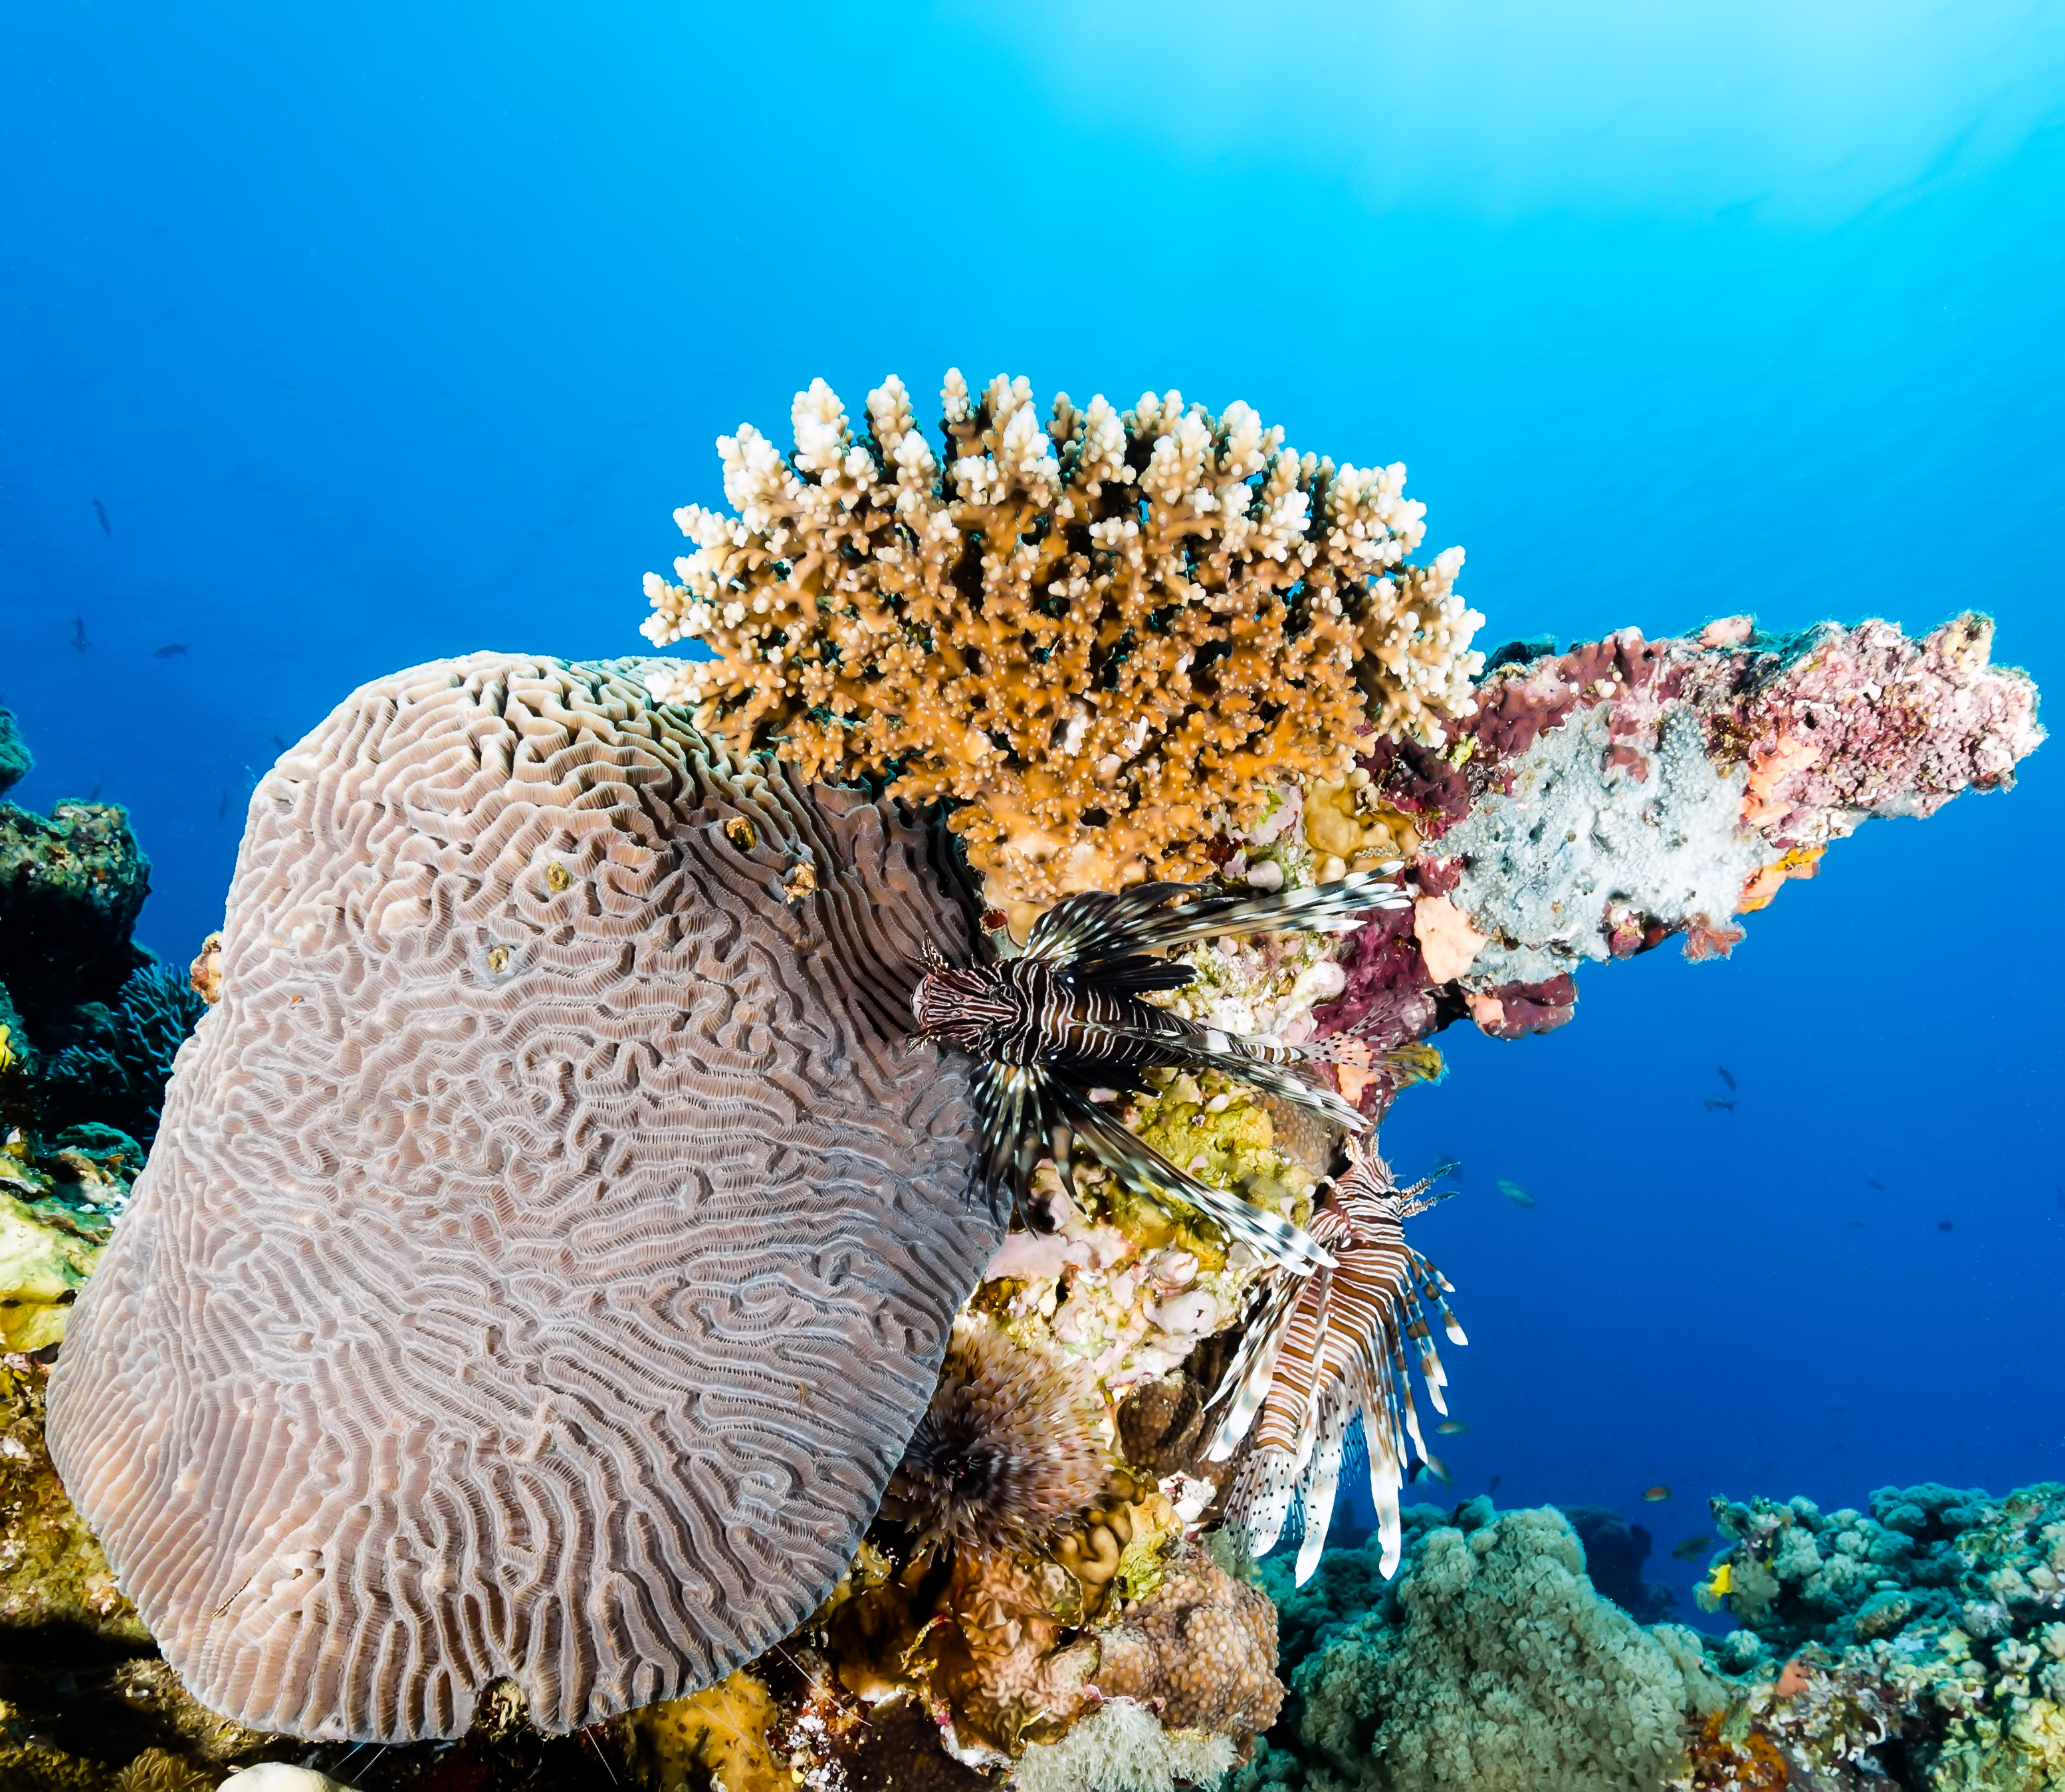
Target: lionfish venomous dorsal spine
1321, 1354
1067, 1016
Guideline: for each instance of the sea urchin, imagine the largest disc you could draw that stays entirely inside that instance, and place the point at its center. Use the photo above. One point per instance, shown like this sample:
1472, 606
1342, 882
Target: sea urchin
1008, 1452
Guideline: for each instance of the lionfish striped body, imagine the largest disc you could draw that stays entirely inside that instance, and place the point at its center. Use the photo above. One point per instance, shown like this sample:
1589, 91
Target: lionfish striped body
1325, 1353
1066, 1017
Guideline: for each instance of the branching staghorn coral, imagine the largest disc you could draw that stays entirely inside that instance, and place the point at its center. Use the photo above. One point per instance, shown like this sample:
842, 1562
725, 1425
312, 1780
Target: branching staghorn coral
1103, 639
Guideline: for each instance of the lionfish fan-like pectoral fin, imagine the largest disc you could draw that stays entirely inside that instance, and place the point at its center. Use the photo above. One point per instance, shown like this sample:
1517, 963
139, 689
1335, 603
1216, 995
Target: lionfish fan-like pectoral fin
1387, 1466
1015, 1119
1262, 1498
1320, 909
1248, 1376
1322, 1482
1097, 923
1267, 1067
1144, 1170
1433, 1286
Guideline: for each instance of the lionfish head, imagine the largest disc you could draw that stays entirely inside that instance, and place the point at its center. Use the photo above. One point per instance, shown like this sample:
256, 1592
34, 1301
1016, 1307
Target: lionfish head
955, 1004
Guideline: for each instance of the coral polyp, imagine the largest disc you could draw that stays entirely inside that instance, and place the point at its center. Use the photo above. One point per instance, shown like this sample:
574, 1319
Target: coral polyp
1102, 636
1009, 1450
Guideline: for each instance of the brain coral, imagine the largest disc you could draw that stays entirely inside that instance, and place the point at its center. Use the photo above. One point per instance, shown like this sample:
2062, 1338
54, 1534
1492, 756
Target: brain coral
551, 1238
1098, 635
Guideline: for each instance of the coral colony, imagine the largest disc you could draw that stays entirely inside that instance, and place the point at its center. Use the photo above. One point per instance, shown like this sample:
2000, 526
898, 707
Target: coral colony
802, 1217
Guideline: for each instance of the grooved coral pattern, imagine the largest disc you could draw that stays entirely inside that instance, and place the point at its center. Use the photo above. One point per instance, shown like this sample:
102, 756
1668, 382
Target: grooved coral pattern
553, 1236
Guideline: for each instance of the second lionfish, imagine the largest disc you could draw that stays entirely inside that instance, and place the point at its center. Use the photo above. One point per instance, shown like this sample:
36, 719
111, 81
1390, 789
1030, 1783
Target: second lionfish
1323, 1354
1066, 1018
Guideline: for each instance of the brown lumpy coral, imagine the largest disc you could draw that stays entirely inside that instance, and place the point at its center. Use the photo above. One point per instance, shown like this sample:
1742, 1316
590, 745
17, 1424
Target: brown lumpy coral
553, 1236
1006, 1452
1201, 1649
1105, 636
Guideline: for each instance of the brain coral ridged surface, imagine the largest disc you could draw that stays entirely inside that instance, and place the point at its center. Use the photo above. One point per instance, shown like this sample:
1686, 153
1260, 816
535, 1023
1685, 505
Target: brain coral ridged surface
553, 1237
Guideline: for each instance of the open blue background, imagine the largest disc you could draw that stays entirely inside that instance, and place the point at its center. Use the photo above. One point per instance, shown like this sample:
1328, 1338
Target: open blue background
385, 332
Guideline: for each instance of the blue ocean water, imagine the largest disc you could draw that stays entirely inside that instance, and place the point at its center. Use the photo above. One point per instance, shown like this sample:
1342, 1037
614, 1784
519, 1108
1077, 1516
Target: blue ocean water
332, 340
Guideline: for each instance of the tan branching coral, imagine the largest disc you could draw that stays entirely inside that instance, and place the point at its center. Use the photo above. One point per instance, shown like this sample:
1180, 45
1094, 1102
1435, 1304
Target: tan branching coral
1105, 639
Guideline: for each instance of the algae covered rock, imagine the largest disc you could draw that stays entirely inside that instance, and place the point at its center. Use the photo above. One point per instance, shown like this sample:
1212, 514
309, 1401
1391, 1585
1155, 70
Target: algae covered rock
59, 1200
71, 886
54, 1578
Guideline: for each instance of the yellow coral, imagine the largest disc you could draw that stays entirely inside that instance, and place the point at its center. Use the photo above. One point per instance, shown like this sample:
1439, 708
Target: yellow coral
1350, 828
44, 1264
723, 1730
1104, 638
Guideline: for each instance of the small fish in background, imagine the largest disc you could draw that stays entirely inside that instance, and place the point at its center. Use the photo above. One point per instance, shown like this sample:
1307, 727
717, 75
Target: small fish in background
78, 633
171, 650
100, 510
1692, 1548
279, 743
93, 796
1729, 1080
1873, 1182
1514, 1193
222, 808
1658, 1492
1946, 1225
1432, 1469
1492, 1486
1452, 1427
1720, 1103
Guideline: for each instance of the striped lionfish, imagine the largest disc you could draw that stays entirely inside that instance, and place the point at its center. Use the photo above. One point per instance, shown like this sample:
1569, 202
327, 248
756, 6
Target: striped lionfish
1066, 1017
1320, 1353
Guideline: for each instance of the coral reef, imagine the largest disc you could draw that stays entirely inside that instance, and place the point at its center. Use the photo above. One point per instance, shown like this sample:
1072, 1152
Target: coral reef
1489, 1663
88, 1021
1103, 639
1614, 1551
1603, 800
115, 1069
552, 1295
564, 1185
16, 761
1918, 1645
53, 1580
1923, 1639
59, 1198
72, 885
1122, 1746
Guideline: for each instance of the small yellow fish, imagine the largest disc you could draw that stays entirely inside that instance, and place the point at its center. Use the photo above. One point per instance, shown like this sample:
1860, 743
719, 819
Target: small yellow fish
1722, 1581
1452, 1427
7, 1049
1657, 1492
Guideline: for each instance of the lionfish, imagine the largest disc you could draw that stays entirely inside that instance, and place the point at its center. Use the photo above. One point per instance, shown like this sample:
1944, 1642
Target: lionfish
1321, 1354
1065, 1018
